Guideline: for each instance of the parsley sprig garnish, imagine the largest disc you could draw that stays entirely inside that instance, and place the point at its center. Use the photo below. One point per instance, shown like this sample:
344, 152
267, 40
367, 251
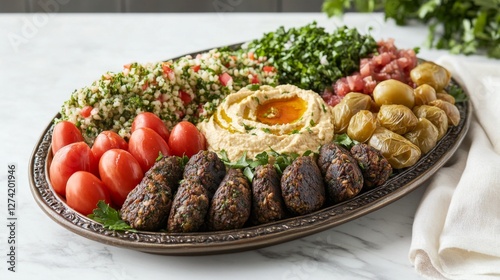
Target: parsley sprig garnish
457, 92
279, 160
109, 217
344, 140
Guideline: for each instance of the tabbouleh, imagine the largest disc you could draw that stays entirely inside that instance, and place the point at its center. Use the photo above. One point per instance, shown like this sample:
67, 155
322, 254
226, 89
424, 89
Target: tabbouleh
185, 89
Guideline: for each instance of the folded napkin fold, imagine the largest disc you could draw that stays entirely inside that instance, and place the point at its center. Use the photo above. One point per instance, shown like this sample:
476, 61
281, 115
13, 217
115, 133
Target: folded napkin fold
456, 231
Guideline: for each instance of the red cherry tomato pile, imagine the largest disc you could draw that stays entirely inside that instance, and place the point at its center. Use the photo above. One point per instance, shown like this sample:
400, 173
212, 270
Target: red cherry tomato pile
112, 167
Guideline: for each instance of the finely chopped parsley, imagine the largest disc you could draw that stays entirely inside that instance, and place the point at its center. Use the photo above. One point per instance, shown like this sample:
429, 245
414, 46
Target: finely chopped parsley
191, 88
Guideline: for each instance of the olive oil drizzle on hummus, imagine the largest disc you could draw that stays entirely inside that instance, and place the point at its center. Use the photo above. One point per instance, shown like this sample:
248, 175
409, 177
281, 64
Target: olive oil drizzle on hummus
281, 111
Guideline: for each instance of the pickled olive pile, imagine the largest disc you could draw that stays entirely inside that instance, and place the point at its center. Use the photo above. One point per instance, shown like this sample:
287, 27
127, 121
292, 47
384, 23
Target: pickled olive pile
401, 121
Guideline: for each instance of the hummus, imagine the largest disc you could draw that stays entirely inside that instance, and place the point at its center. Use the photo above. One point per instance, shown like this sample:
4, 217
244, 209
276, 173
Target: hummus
284, 118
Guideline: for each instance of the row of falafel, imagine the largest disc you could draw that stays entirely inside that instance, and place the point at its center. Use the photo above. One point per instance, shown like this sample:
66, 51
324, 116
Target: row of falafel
205, 195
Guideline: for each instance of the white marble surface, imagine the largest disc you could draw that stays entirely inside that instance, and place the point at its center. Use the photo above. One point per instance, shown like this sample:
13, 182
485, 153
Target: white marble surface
43, 58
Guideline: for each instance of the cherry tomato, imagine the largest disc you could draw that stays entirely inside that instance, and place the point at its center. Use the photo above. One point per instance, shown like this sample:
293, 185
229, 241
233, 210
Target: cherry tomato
120, 172
65, 133
108, 140
67, 160
150, 120
84, 190
146, 145
186, 139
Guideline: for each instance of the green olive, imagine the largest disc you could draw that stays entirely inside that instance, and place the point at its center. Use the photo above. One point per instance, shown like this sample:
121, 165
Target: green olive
424, 94
393, 92
432, 74
443, 95
424, 135
435, 115
451, 110
397, 118
362, 125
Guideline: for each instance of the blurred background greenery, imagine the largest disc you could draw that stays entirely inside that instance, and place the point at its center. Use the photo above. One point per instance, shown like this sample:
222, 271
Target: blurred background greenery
461, 26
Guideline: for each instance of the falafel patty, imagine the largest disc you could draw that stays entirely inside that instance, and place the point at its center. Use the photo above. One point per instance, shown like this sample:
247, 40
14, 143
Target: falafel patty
327, 153
267, 201
147, 206
207, 168
343, 176
302, 186
232, 202
375, 168
189, 207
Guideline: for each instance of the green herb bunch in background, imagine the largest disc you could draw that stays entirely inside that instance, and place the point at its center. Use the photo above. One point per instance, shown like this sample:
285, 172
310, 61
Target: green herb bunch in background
461, 26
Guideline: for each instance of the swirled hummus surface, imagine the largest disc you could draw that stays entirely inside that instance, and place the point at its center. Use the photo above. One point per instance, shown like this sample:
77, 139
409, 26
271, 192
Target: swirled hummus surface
283, 118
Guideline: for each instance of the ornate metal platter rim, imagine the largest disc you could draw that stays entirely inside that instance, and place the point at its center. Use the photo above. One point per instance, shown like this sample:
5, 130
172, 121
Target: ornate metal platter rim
247, 238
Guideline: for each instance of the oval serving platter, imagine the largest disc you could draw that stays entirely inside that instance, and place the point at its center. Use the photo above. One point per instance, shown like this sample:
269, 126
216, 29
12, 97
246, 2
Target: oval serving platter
204, 243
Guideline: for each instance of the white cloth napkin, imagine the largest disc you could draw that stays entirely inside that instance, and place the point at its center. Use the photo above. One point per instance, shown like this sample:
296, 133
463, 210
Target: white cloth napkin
456, 231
